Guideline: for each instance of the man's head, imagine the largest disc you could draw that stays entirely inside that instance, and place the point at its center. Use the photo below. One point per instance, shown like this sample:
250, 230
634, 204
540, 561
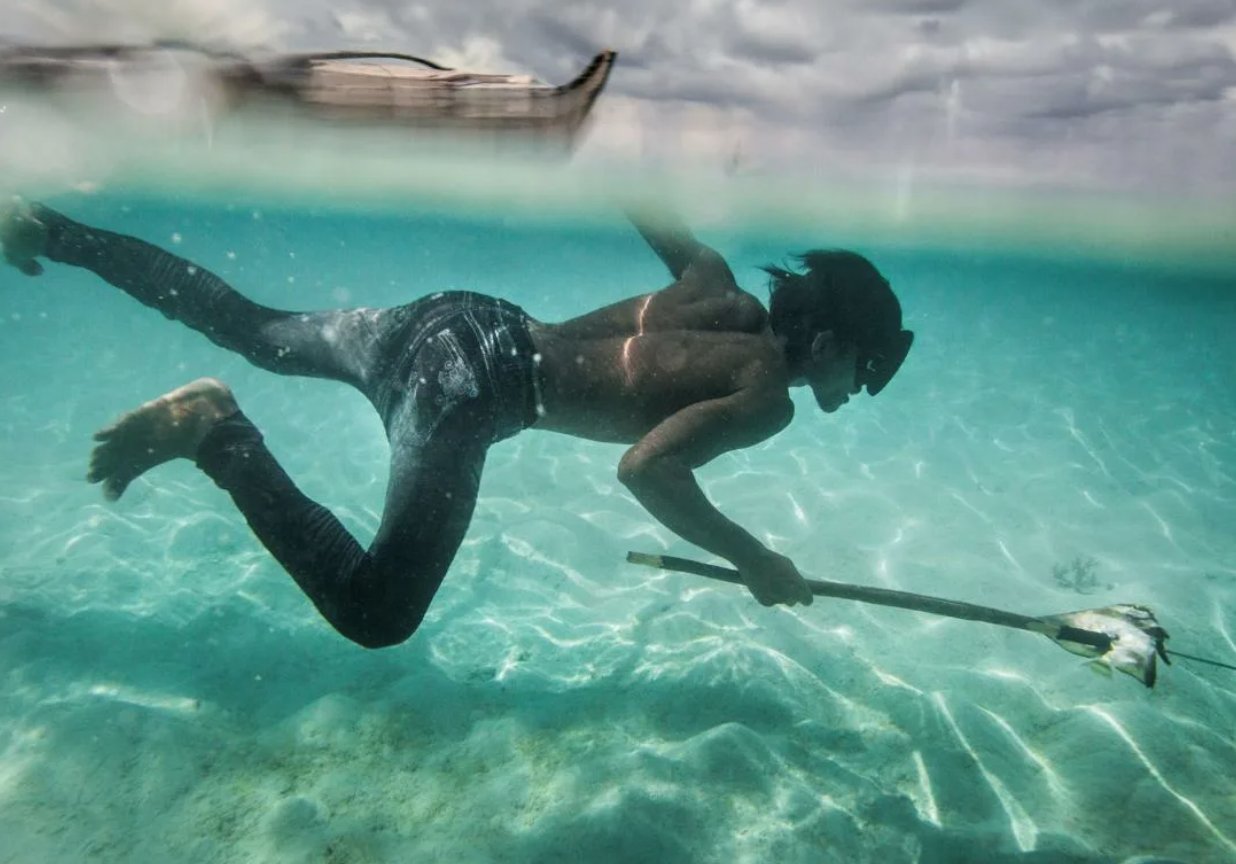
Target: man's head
840, 323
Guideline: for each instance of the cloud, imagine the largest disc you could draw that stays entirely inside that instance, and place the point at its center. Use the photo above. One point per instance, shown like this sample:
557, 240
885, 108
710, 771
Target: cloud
239, 23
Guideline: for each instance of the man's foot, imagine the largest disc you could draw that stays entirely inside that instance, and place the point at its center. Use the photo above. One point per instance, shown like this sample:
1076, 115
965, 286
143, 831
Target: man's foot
170, 427
22, 235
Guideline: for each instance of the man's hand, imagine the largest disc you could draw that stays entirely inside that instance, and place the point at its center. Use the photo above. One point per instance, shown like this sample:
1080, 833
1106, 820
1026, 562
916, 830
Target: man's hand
774, 579
23, 236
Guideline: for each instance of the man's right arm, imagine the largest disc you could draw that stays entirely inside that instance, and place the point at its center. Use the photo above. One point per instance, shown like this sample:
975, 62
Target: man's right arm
677, 247
659, 471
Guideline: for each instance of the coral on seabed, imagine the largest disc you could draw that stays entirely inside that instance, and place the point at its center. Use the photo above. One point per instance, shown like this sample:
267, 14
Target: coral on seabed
1078, 575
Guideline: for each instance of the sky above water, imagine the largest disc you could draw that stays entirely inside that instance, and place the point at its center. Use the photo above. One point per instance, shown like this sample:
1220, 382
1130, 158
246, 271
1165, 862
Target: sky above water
1135, 96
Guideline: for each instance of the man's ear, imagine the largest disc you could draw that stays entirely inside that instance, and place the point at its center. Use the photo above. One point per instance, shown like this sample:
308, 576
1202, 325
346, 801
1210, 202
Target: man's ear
824, 342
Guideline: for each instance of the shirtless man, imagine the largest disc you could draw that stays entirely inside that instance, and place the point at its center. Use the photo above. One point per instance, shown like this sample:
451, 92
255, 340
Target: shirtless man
683, 375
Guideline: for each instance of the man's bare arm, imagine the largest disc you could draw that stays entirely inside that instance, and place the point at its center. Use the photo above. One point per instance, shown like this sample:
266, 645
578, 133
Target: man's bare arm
676, 246
659, 471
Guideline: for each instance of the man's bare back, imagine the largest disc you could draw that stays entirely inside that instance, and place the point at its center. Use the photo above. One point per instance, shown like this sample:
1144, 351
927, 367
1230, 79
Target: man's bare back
683, 374
614, 374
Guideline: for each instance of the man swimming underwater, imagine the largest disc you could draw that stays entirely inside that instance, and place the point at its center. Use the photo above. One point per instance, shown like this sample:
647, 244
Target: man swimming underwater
683, 375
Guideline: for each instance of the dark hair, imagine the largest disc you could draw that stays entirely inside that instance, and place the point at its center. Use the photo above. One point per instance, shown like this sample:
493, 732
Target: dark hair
840, 291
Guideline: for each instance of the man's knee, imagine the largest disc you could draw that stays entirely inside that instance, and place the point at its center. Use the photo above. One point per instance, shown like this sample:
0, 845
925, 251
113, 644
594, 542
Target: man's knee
384, 629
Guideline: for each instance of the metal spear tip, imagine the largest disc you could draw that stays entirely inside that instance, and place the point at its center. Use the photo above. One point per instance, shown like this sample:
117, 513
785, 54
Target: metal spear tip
1137, 639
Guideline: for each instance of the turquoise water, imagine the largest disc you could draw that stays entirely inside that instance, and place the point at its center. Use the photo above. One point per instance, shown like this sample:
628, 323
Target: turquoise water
169, 694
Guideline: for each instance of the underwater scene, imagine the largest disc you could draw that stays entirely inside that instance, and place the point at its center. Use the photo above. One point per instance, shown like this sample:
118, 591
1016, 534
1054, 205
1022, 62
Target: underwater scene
1056, 454
1060, 438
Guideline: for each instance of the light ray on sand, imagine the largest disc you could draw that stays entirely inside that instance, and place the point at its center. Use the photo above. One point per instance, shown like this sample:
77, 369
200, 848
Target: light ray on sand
970, 506
1086, 494
1009, 555
1053, 779
159, 701
799, 514
1067, 415
1021, 678
526, 550
1221, 626
927, 808
18, 758
1164, 528
1025, 832
1162, 781
891, 680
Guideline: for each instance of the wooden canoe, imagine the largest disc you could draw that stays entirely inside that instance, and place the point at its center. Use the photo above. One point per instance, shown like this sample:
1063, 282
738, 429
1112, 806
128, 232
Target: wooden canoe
353, 87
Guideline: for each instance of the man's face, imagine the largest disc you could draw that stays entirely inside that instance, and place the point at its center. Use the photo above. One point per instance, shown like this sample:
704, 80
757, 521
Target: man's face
831, 373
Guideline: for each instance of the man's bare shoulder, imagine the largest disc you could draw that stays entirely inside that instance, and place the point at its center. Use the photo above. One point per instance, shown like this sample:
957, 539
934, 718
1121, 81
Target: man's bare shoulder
704, 301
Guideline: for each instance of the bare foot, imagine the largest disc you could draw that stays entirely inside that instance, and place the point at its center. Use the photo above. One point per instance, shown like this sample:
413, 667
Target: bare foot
170, 427
22, 236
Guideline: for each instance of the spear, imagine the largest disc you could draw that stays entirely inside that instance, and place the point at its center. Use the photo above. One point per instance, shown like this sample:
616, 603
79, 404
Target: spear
1123, 637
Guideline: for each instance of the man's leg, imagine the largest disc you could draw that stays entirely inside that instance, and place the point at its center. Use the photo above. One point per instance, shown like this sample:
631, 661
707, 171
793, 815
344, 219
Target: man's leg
375, 597
337, 344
